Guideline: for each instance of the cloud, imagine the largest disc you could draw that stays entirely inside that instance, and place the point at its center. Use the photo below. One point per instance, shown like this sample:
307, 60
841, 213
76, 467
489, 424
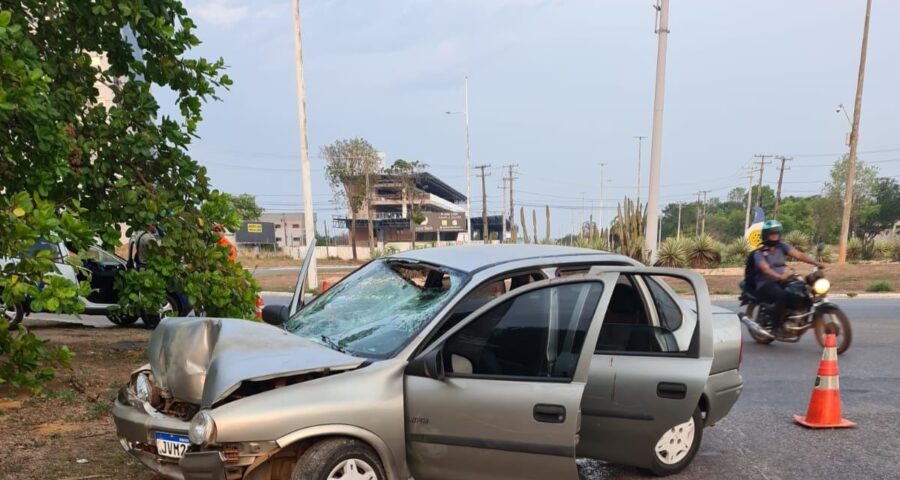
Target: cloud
219, 12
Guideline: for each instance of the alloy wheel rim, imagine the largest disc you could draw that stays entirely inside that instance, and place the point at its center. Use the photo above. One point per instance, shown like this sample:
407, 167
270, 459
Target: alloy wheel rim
353, 469
675, 443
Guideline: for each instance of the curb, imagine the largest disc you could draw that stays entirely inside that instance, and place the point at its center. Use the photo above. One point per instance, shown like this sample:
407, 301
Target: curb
836, 296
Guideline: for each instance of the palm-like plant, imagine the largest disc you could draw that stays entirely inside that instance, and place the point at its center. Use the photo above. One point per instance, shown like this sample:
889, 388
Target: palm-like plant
737, 250
672, 253
703, 252
799, 240
628, 230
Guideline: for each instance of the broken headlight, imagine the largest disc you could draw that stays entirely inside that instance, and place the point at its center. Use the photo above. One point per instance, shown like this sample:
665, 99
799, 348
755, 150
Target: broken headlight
142, 387
202, 430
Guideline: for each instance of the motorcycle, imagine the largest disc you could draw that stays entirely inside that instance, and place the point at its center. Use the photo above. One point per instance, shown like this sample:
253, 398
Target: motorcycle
807, 309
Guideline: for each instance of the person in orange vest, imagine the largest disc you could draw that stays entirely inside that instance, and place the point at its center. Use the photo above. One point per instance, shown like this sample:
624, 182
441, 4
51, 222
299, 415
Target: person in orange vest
224, 242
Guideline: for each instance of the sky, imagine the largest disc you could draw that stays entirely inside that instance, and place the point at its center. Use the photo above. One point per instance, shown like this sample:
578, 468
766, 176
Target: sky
555, 86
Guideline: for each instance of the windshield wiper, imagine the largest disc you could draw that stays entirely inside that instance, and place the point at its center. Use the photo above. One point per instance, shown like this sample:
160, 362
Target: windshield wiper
332, 344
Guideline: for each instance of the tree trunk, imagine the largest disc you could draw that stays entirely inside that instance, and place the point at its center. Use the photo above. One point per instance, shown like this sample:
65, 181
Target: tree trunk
534, 224
353, 232
524, 228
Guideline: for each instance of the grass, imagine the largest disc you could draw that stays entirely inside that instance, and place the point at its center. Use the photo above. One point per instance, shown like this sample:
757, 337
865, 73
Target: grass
880, 286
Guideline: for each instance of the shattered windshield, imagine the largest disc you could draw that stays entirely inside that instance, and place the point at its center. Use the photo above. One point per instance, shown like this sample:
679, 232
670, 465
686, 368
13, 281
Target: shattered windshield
375, 311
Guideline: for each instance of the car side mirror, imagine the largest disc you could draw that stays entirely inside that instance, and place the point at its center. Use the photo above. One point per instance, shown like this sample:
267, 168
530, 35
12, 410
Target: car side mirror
275, 314
430, 365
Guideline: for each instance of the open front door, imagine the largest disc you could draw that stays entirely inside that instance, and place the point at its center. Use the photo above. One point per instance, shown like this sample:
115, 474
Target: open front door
302, 284
648, 370
501, 396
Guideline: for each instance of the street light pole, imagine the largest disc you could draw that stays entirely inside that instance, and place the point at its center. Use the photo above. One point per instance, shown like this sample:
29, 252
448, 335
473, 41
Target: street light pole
640, 140
308, 214
656, 139
468, 172
854, 141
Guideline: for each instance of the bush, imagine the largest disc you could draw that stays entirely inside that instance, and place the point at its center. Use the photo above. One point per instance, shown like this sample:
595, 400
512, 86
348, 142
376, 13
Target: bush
383, 252
855, 249
595, 244
799, 240
737, 251
895, 250
880, 286
824, 254
672, 253
703, 252
884, 249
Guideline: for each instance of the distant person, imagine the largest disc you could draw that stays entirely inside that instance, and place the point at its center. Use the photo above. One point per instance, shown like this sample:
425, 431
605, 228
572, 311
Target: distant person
224, 242
140, 244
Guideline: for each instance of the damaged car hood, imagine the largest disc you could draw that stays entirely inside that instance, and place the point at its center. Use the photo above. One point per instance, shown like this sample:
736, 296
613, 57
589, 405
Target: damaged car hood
203, 360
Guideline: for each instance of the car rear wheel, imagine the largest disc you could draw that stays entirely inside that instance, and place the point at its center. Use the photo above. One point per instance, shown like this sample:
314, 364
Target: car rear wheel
339, 459
677, 446
171, 308
122, 319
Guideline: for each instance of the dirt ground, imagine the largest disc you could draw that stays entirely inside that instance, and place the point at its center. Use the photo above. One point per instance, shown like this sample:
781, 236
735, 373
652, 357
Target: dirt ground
67, 432
850, 278
252, 261
285, 282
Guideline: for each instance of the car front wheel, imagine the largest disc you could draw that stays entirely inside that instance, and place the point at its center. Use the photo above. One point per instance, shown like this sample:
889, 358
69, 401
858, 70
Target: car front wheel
677, 446
339, 459
12, 313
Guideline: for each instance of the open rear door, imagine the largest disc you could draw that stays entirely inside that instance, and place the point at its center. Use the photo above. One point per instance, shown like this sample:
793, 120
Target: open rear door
649, 366
302, 283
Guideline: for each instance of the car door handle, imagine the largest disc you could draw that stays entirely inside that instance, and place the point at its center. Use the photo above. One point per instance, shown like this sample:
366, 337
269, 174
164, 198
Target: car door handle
549, 413
671, 390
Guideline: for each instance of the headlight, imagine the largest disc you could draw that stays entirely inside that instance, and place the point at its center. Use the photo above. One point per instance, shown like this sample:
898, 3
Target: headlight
821, 286
142, 387
202, 429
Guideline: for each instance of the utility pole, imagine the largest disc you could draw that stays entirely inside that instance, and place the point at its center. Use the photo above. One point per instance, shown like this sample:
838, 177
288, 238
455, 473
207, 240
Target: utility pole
662, 31
678, 234
514, 231
640, 140
600, 213
762, 166
503, 216
750, 174
703, 218
325, 227
780, 179
697, 226
854, 141
485, 231
468, 170
309, 217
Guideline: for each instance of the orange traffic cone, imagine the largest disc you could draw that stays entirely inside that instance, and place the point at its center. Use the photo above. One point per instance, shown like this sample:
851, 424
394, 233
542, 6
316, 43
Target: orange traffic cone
324, 286
825, 404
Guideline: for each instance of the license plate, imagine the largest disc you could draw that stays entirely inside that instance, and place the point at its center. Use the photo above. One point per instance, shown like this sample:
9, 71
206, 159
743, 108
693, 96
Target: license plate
172, 445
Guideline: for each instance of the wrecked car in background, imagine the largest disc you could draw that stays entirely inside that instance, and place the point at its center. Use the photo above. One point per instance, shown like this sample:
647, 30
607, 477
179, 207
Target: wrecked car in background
500, 362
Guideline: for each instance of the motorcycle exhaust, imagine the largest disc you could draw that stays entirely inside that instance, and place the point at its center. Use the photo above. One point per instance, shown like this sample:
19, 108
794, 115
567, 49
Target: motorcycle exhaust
753, 326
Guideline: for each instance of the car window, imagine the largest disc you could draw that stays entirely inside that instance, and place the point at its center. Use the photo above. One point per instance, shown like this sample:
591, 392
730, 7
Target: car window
536, 334
483, 294
628, 326
667, 309
101, 256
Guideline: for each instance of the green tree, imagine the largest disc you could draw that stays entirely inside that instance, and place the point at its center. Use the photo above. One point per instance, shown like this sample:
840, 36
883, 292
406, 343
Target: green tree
347, 164
408, 174
245, 206
74, 166
882, 212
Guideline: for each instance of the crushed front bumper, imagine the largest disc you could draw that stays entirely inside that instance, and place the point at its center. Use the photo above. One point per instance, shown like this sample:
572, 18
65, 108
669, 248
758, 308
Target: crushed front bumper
136, 425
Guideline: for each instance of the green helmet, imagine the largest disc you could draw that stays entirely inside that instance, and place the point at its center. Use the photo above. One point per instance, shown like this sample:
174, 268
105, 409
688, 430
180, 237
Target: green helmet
771, 226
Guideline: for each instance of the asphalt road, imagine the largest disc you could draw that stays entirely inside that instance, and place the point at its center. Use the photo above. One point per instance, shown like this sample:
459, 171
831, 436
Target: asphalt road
759, 440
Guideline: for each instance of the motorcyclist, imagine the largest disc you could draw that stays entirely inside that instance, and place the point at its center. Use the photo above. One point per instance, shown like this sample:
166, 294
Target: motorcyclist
771, 271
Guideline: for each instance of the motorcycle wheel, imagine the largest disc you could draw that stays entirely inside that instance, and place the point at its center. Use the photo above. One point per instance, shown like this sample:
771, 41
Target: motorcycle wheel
833, 320
751, 313
12, 313
122, 319
172, 308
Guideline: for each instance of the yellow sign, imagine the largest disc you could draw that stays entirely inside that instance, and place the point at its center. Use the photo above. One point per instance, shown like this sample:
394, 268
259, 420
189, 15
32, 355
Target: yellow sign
254, 228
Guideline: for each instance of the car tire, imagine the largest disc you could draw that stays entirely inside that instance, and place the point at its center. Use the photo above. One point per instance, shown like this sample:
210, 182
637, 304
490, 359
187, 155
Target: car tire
677, 446
339, 458
172, 307
13, 313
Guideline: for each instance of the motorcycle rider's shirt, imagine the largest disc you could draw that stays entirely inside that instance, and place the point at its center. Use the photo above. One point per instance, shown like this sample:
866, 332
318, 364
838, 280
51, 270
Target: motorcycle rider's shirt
775, 257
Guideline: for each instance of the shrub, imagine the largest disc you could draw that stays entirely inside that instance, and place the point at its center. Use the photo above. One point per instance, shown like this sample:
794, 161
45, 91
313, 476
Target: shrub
595, 244
884, 248
672, 253
895, 250
824, 254
799, 240
880, 286
854, 249
383, 252
703, 252
736, 251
